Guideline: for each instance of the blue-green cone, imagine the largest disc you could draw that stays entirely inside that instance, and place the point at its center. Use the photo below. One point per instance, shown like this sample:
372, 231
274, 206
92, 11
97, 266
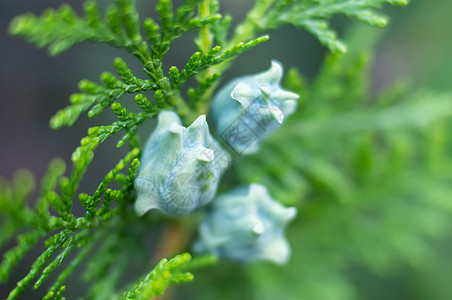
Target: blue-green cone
249, 108
246, 225
180, 167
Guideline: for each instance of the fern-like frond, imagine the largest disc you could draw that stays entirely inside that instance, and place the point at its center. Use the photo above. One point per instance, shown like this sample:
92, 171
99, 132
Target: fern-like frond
99, 97
61, 29
313, 16
76, 233
19, 219
165, 273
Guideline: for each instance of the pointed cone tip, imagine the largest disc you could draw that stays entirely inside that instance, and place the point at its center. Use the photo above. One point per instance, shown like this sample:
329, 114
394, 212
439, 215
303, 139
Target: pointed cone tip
277, 114
176, 128
265, 91
259, 229
242, 93
200, 122
278, 251
206, 155
146, 202
141, 206
258, 192
289, 106
274, 74
285, 95
166, 118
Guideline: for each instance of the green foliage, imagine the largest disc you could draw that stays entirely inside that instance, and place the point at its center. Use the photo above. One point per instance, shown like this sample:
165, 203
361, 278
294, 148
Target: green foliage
155, 283
109, 236
82, 232
61, 29
370, 189
314, 16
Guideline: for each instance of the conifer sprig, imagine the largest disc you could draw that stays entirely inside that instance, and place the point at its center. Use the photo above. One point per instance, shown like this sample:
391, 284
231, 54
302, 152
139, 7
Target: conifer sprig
156, 282
312, 15
108, 217
76, 232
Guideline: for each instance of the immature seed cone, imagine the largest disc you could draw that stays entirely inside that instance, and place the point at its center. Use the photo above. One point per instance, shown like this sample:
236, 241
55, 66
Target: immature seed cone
246, 225
249, 108
180, 167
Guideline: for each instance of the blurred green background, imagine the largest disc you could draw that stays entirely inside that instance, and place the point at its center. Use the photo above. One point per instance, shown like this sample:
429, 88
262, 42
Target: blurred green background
366, 159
